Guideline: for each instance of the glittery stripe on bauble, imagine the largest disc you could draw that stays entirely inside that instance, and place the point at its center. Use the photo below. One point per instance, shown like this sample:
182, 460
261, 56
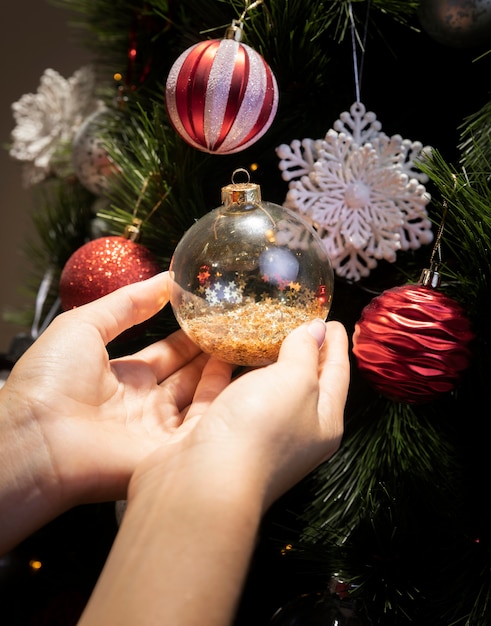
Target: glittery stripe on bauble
227, 88
187, 102
269, 106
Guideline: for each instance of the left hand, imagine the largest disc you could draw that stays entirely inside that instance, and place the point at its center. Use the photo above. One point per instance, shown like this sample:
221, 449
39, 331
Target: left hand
82, 422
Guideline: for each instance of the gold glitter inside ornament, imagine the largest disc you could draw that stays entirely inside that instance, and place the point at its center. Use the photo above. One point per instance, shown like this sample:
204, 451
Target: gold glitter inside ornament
246, 274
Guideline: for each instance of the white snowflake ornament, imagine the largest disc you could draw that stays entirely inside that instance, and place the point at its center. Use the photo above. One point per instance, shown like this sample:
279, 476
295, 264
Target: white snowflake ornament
362, 191
47, 121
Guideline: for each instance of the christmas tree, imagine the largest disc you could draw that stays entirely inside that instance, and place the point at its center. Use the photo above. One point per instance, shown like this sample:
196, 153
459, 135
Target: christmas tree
395, 528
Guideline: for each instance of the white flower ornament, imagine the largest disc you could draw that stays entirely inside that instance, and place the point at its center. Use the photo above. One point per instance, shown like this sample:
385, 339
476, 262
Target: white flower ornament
47, 121
362, 191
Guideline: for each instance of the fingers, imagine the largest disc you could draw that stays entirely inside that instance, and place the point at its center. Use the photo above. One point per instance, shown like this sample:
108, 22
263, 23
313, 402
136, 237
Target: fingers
168, 355
320, 350
335, 371
130, 305
301, 347
180, 387
214, 379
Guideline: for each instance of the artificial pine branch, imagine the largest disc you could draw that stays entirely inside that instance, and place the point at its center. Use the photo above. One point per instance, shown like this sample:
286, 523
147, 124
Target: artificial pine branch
380, 511
161, 180
389, 444
466, 267
475, 144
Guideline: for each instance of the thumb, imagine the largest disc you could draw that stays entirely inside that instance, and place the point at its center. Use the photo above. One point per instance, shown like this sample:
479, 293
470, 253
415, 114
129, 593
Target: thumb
302, 345
125, 307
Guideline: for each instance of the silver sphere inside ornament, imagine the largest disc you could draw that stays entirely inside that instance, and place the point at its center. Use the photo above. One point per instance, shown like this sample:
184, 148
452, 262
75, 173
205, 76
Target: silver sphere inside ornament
92, 164
457, 23
246, 274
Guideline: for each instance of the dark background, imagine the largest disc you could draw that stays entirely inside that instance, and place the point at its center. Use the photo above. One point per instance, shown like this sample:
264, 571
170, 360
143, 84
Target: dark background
34, 36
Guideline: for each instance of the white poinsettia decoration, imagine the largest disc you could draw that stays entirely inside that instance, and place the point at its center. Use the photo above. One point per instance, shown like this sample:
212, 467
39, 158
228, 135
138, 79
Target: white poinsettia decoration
47, 121
362, 191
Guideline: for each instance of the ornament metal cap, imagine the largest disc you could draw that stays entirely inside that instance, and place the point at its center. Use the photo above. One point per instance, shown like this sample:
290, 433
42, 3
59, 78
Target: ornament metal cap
430, 278
241, 193
132, 231
235, 31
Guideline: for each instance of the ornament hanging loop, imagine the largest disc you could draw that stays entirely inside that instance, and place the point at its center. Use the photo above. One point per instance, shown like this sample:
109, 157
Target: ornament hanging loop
236, 29
244, 194
240, 170
133, 231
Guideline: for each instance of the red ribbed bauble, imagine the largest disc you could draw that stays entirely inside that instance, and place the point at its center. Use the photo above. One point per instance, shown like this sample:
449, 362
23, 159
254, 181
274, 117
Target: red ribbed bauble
102, 266
221, 95
412, 343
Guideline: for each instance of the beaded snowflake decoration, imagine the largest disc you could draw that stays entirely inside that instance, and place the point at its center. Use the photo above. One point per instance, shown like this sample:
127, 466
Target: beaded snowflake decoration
47, 121
362, 191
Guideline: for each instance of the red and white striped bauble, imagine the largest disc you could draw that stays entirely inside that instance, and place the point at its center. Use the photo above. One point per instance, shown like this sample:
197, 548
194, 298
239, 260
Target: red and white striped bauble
221, 96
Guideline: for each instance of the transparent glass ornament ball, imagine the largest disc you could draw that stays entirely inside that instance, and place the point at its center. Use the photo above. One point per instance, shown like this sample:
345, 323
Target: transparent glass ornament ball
246, 274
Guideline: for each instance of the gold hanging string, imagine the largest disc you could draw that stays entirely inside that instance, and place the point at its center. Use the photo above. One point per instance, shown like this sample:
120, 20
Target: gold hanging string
132, 231
248, 7
430, 276
435, 264
437, 247
233, 30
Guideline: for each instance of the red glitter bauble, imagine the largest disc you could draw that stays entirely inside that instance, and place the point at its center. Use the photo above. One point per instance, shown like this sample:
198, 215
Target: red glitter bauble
101, 266
412, 343
221, 96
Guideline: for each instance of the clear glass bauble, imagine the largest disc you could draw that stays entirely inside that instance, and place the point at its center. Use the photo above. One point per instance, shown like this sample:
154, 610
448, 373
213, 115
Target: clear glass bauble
246, 274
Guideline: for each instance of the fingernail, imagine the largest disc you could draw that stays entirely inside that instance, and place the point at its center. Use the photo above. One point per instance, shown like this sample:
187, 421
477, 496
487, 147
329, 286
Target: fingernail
317, 329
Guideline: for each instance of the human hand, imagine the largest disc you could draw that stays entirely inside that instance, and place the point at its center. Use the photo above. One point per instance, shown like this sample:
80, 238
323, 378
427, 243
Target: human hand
271, 426
194, 507
195, 503
74, 424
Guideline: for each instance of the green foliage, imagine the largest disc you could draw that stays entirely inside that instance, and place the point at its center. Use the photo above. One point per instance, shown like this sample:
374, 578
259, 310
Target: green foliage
391, 444
475, 145
162, 182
